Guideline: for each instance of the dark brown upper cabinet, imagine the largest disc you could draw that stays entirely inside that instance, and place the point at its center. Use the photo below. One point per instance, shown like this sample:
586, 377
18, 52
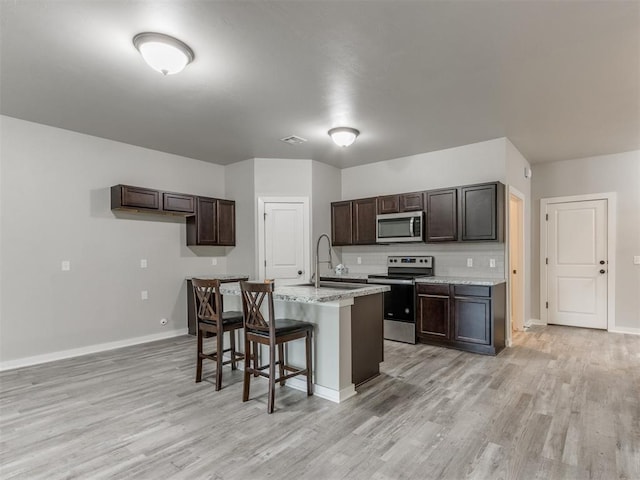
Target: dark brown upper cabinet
178, 202
364, 221
210, 221
482, 212
442, 215
404, 202
127, 197
213, 223
353, 222
342, 223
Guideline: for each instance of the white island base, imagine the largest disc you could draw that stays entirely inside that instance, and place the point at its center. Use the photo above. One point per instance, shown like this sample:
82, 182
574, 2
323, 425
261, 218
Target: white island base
347, 338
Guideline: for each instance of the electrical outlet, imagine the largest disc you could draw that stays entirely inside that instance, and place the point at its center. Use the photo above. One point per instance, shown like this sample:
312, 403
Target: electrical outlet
214, 261
163, 321
636, 259
492, 263
66, 265
469, 262
144, 295
359, 260
143, 263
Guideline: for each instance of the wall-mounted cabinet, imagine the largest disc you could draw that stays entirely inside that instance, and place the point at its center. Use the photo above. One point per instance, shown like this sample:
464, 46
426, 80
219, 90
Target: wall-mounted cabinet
213, 223
210, 221
353, 222
482, 212
403, 202
466, 317
442, 215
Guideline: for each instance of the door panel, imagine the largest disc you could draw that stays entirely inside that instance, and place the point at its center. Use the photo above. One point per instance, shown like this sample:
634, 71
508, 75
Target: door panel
577, 280
284, 242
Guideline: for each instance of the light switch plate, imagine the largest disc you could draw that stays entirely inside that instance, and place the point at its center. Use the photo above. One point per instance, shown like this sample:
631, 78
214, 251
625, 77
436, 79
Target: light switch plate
214, 261
636, 259
66, 265
143, 263
469, 262
492, 263
359, 260
144, 295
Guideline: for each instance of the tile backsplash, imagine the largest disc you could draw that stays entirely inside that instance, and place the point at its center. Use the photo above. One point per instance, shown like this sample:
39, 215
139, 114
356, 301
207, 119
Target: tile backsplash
450, 259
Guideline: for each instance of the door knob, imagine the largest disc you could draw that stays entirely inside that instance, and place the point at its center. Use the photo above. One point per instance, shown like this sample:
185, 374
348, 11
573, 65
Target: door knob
514, 272
299, 272
602, 271
601, 262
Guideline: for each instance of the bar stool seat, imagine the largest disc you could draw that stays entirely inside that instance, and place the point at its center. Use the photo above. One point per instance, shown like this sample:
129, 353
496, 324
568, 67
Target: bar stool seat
214, 321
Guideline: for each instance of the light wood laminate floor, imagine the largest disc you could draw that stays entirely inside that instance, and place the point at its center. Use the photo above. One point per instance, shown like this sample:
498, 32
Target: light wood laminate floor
563, 403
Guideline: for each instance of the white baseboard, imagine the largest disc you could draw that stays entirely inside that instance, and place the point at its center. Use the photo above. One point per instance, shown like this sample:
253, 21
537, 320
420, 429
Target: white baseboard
300, 383
535, 321
76, 352
627, 330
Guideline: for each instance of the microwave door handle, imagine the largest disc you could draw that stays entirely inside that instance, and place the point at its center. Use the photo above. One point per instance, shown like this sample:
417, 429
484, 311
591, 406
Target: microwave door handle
411, 226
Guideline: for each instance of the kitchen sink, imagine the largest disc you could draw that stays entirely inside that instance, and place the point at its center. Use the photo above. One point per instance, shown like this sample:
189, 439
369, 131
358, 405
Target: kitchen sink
333, 285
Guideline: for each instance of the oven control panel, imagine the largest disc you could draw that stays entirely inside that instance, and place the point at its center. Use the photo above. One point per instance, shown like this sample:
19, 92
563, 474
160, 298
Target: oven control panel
411, 262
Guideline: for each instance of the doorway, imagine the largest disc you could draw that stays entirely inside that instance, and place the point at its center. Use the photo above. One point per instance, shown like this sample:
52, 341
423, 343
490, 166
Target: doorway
283, 239
577, 267
516, 260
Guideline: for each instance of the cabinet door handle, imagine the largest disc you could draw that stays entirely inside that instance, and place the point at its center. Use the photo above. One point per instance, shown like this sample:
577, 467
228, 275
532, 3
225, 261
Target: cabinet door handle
602, 271
299, 272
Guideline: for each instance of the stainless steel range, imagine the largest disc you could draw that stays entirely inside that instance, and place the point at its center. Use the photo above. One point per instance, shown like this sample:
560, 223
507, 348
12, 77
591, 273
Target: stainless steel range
399, 302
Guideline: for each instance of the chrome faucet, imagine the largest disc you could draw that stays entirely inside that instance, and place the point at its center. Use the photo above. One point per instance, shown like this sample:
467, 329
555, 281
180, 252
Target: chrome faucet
316, 273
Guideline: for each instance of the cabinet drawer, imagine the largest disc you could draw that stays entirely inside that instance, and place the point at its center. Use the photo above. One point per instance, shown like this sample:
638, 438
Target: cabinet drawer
472, 290
176, 202
430, 289
140, 197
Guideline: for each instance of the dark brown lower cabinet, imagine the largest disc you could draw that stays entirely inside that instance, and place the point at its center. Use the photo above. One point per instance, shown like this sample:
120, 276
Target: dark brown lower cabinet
466, 317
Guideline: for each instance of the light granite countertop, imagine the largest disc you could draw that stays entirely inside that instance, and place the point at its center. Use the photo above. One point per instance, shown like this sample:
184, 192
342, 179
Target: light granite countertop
221, 276
310, 294
461, 280
345, 276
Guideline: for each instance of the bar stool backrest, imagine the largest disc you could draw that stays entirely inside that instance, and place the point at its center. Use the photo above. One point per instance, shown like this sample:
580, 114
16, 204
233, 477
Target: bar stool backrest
207, 299
253, 295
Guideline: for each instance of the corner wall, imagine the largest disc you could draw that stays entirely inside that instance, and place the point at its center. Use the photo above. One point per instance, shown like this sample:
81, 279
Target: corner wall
618, 173
55, 206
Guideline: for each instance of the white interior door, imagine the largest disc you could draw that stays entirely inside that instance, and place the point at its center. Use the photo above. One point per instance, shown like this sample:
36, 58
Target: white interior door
577, 263
284, 242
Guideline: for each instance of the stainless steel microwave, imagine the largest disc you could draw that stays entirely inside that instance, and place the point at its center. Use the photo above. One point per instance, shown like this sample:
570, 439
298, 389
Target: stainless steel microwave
400, 227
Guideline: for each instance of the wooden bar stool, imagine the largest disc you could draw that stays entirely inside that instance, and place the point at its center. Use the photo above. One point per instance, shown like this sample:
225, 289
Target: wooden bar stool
213, 321
273, 333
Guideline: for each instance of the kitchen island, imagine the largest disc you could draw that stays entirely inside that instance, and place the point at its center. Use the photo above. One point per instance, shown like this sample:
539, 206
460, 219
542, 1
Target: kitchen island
347, 337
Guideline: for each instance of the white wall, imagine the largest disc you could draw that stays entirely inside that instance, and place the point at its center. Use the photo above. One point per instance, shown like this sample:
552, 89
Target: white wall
240, 186
55, 205
475, 163
515, 167
618, 173
469, 164
326, 188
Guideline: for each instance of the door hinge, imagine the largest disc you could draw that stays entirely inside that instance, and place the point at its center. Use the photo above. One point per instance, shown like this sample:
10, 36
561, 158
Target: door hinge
546, 217
265, 263
264, 216
547, 305
546, 261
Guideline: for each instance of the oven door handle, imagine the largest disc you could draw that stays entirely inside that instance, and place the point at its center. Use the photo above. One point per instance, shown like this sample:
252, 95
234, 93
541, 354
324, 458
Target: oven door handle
389, 281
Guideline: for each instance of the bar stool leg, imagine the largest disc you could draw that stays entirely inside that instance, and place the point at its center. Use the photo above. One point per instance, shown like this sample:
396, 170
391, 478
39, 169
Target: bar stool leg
232, 346
272, 378
281, 363
246, 383
199, 359
309, 364
219, 355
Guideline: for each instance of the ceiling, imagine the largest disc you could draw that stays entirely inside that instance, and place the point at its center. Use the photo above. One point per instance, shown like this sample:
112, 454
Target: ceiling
560, 79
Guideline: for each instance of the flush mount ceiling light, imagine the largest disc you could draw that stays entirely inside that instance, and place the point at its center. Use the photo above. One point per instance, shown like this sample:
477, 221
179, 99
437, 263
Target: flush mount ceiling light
343, 136
163, 53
